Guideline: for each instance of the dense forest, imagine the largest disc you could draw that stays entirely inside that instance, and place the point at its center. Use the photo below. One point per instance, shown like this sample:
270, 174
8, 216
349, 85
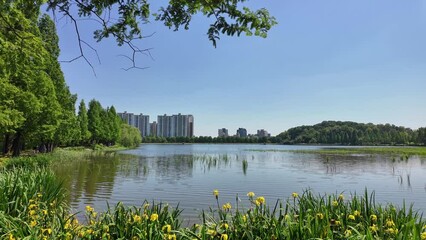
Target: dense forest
352, 133
37, 109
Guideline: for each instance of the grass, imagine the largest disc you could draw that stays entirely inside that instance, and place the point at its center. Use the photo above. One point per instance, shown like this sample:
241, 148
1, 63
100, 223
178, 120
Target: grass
406, 151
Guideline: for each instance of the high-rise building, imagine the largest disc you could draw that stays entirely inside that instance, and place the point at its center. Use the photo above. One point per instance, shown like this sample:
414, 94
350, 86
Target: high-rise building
263, 133
242, 132
222, 132
140, 121
175, 126
153, 129
128, 118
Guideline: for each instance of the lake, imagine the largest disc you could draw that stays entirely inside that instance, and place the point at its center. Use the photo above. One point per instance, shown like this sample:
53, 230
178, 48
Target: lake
188, 174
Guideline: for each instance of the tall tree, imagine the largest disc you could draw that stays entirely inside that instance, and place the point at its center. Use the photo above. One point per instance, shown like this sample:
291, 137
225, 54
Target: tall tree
95, 122
83, 123
24, 71
67, 129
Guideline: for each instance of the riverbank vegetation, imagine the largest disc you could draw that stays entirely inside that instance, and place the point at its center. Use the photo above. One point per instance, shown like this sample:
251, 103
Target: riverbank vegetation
352, 133
33, 206
402, 152
37, 109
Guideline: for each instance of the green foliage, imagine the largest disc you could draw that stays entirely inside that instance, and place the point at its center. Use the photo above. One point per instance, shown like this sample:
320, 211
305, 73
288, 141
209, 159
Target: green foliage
104, 125
19, 185
421, 136
83, 123
348, 133
130, 136
229, 17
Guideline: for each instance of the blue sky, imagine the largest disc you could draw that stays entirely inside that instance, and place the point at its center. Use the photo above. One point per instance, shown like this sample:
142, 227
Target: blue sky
357, 60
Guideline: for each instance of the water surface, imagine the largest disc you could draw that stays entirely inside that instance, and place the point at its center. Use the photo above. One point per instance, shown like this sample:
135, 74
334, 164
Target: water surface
187, 174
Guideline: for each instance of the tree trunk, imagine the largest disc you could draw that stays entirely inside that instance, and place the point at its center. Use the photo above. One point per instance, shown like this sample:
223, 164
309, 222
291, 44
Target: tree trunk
6, 144
17, 145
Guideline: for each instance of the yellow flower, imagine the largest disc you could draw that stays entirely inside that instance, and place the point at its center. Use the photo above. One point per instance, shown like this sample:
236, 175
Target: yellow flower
335, 203
11, 237
75, 221
260, 201
154, 217
137, 218
295, 195
226, 206
390, 223
33, 223
244, 218
32, 206
348, 233
39, 195
373, 217
89, 231
216, 193
33, 212
47, 230
68, 236
320, 215
211, 232
171, 236
423, 236
351, 217
146, 205
357, 213
392, 231
89, 208
167, 228
45, 212
374, 228
225, 225
341, 197
250, 194
224, 236
338, 223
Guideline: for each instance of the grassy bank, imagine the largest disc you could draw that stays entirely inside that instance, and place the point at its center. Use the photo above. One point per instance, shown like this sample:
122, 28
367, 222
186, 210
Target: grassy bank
420, 151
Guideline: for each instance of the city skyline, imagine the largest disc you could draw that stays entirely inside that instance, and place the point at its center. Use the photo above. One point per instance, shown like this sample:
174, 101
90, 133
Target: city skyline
176, 125
360, 61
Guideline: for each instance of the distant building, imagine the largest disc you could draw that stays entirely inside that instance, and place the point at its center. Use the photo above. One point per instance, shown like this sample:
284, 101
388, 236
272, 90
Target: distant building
242, 132
153, 129
128, 118
263, 133
140, 122
223, 132
175, 126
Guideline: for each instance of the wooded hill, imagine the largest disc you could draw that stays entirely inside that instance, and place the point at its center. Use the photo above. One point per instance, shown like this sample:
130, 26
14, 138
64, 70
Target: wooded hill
352, 133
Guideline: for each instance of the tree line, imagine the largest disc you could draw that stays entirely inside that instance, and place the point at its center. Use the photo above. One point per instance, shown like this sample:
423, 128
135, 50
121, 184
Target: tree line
37, 109
352, 133
208, 139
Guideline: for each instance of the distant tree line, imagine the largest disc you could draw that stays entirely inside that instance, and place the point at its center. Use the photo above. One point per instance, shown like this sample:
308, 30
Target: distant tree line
352, 133
208, 139
37, 109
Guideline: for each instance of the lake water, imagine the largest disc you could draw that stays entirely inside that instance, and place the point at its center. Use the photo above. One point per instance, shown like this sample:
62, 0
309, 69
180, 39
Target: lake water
188, 174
